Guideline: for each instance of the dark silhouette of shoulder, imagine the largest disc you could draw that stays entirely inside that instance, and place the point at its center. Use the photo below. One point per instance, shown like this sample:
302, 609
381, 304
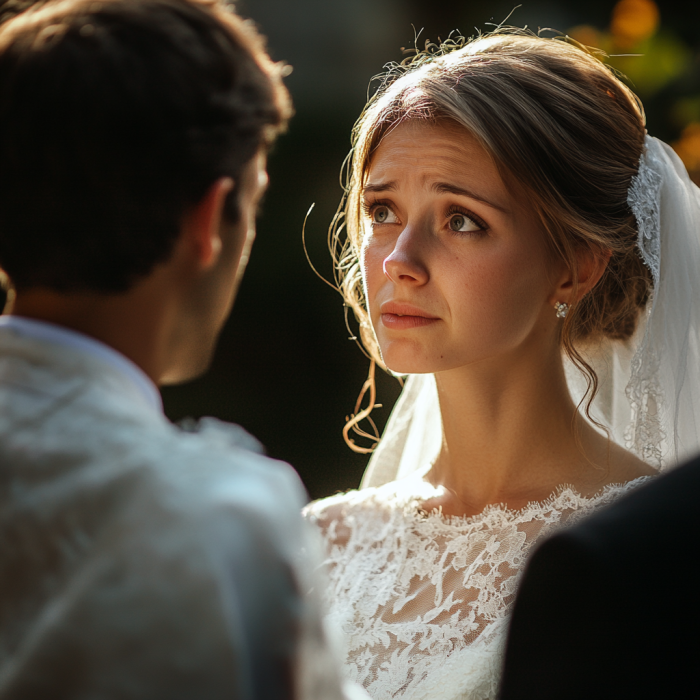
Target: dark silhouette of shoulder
609, 608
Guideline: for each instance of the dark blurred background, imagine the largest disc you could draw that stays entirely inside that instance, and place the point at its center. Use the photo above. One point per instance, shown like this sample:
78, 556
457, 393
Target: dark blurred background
285, 367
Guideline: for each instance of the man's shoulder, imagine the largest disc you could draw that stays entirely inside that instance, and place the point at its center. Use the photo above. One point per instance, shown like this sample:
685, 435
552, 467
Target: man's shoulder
177, 546
214, 464
137, 460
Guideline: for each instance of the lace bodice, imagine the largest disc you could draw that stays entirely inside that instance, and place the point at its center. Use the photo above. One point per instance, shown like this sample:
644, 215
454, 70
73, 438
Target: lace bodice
422, 599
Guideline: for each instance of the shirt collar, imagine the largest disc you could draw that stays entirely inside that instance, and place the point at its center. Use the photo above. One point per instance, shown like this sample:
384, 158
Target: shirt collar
59, 335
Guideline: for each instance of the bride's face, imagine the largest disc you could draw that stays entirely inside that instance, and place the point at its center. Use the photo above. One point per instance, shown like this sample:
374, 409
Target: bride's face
455, 268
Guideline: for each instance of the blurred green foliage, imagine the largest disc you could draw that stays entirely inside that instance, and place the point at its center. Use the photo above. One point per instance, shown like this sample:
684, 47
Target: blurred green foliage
660, 64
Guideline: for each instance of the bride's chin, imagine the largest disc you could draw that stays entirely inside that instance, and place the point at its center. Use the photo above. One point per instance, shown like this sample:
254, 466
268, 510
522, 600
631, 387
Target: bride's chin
408, 365
401, 357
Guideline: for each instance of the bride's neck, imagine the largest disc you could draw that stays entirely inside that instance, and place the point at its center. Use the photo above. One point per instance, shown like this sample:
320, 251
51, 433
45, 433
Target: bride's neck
509, 431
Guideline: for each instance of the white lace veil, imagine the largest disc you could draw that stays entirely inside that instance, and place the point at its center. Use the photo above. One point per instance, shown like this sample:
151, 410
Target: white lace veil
649, 393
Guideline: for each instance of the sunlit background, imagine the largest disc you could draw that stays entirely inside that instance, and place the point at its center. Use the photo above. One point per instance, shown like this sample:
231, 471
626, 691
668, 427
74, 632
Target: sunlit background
285, 368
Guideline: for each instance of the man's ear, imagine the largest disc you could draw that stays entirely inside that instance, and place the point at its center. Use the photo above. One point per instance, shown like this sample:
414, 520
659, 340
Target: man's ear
203, 223
592, 262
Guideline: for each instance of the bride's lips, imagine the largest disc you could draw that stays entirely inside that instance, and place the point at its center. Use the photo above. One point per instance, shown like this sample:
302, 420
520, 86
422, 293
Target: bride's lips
398, 316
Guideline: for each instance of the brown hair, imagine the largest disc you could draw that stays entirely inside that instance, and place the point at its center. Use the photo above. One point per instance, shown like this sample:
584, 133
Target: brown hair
556, 120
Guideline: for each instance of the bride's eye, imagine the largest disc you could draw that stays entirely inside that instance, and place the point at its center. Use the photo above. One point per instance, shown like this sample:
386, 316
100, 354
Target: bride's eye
461, 223
381, 214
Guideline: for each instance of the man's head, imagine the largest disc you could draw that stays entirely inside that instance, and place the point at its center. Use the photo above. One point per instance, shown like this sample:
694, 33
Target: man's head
123, 123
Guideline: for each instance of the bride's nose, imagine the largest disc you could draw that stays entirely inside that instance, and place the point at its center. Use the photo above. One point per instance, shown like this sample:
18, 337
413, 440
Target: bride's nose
406, 262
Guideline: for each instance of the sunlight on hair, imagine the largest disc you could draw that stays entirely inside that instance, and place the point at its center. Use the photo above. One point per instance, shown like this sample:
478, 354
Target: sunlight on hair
586, 35
353, 421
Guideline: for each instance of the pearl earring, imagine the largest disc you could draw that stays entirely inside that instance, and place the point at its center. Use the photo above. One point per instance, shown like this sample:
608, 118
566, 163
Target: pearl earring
562, 309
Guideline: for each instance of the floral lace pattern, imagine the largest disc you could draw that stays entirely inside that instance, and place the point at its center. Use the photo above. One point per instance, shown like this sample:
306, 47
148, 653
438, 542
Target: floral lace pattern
644, 199
645, 435
423, 600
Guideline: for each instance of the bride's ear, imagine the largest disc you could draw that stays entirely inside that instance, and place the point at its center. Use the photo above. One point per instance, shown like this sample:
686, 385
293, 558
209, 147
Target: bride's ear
591, 263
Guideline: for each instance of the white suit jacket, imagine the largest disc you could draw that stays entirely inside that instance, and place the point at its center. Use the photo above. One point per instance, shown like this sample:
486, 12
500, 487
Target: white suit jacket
138, 560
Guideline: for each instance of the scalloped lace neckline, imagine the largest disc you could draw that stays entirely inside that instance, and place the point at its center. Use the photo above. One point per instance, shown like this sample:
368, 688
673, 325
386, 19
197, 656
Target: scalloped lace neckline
564, 496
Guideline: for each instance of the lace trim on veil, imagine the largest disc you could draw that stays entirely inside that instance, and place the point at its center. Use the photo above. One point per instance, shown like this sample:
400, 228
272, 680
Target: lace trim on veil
644, 199
645, 435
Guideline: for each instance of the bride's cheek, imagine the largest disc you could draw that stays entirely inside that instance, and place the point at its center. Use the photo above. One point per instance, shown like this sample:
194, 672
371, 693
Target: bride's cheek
372, 261
485, 298
506, 301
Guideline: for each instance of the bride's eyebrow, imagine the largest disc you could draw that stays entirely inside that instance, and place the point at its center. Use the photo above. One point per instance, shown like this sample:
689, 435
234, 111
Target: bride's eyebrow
380, 187
447, 188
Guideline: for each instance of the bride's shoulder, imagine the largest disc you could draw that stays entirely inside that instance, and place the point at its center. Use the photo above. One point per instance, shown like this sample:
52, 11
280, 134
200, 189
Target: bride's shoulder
328, 514
625, 467
617, 471
336, 515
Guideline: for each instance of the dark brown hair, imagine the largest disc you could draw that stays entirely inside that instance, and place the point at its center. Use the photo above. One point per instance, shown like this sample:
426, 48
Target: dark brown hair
115, 117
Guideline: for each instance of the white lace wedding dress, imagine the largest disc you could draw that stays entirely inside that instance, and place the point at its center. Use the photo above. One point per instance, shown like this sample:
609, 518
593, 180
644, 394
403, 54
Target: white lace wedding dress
423, 600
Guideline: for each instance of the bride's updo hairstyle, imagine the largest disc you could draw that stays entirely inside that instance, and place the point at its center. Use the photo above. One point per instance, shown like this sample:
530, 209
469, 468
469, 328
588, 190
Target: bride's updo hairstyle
556, 121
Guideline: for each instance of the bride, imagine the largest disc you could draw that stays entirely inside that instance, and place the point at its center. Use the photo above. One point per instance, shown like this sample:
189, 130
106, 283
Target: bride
503, 215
